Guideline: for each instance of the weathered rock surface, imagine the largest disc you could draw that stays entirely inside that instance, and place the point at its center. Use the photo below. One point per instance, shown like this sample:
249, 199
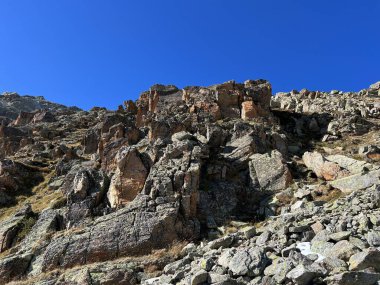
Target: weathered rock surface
129, 178
269, 171
207, 185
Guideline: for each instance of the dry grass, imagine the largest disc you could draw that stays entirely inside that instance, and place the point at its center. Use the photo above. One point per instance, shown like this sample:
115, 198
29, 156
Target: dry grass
152, 269
40, 198
331, 196
42, 195
76, 144
44, 201
71, 231
39, 278
34, 168
152, 264
5, 253
173, 250
230, 229
260, 225
26, 226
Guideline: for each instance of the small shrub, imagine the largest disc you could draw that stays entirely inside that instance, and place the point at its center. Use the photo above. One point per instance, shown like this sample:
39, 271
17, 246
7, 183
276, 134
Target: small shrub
26, 225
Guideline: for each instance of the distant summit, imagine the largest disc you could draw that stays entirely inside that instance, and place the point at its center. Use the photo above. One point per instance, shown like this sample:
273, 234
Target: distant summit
12, 104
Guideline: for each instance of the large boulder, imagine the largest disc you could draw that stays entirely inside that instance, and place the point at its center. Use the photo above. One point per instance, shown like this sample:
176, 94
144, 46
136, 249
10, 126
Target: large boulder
245, 261
11, 139
85, 189
369, 258
260, 91
322, 167
353, 278
23, 119
375, 85
12, 226
269, 171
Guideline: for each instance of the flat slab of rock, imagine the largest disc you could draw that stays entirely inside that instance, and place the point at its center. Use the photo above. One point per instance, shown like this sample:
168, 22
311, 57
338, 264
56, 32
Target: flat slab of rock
340, 236
352, 165
357, 181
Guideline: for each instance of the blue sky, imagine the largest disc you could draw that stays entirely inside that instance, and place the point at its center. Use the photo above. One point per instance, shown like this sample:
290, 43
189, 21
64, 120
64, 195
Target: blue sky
102, 52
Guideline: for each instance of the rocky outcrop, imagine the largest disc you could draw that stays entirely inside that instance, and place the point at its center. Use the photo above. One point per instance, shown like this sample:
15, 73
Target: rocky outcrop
222, 184
357, 181
12, 226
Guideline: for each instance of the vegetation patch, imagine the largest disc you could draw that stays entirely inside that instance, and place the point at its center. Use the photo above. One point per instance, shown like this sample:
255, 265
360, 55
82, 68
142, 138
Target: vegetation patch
26, 226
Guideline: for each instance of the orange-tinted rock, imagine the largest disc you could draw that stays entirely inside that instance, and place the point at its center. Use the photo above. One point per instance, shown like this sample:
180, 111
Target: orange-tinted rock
153, 101
248, 110
201, 100
139, 118
323, 168
130, 106
128, 179
260, 91
23, 119
211, 108
331, 171
374, 156
229, 95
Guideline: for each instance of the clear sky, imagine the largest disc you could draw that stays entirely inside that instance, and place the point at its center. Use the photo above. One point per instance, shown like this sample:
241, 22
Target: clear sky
102, 52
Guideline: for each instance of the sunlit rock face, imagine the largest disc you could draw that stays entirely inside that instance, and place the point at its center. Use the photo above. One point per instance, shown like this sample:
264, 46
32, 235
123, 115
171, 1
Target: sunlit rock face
221, 184
129, 178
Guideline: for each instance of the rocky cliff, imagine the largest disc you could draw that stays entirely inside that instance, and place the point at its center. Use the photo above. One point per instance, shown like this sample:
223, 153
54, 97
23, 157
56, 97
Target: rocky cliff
225, 184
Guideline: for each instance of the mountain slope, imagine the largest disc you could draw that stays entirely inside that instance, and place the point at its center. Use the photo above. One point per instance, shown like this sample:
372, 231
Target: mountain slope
224, 184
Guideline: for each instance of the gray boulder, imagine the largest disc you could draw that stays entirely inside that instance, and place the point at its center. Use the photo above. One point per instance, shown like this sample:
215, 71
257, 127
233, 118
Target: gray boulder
369, 258
248, 262
269, 171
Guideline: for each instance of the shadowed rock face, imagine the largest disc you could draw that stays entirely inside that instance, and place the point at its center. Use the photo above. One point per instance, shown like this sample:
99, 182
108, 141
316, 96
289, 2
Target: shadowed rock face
104, 197
17, 177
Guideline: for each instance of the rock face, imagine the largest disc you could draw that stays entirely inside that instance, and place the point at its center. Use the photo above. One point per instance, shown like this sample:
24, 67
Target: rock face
206, 185
129, 178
